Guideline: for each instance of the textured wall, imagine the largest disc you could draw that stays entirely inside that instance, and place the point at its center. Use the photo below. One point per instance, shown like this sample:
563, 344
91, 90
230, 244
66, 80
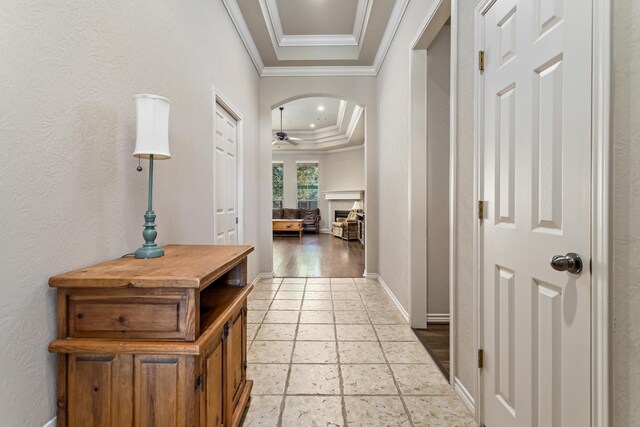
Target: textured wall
69, 192
393, 94
465, 357
438, 141
626, 214
393, 134
345, 170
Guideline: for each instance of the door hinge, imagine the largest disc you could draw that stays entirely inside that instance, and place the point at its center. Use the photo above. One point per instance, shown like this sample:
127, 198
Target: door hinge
480, 209
244, 366
480, 358
236, 220
225, 331
199, 381
481, 60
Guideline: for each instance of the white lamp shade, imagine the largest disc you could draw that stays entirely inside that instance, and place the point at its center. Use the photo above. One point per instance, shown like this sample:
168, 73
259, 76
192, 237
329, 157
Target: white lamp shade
152, 136
357, 206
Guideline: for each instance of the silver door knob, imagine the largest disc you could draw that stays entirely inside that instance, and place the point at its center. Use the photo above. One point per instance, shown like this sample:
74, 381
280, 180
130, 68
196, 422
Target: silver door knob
570, 262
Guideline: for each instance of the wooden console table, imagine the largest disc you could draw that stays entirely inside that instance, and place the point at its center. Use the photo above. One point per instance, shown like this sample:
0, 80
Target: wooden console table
154, 342
288, 225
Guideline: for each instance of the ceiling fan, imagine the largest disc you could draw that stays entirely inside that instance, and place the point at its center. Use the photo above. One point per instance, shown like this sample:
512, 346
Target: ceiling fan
282, 136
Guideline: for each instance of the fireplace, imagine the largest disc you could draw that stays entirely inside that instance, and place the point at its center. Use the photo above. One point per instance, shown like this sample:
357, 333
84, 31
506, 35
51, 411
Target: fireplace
340, 214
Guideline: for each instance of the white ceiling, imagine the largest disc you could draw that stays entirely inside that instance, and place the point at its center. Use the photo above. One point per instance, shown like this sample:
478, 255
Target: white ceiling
316, 37
339, 125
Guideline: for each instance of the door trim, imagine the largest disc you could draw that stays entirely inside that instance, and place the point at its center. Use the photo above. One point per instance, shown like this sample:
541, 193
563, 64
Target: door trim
600, 208
416, 173
219, 98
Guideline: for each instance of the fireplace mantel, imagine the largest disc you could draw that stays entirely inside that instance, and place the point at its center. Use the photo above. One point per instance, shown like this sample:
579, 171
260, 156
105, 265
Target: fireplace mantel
344, 195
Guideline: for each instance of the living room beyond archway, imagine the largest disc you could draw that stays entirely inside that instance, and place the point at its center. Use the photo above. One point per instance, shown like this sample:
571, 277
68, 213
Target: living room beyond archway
318, 166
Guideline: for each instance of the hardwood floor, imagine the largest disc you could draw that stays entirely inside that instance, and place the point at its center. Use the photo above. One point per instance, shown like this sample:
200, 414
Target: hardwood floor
436, 340
317, 255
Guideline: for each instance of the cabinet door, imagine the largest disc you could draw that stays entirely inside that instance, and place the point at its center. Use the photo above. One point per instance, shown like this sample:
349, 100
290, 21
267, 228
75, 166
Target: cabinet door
99, 390
214, 366
234, 358
164, 391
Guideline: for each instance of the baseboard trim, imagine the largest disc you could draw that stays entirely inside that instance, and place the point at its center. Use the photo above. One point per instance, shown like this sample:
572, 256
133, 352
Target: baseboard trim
51, 422
261, 276
325, 231
372, 276
404, 312
465, 396
438, 318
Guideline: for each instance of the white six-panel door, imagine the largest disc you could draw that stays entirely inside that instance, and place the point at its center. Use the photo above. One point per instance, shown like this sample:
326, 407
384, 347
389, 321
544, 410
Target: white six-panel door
535, 178
226, 176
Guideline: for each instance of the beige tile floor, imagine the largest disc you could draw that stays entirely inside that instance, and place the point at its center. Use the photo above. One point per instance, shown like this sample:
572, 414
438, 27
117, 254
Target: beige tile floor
337, 352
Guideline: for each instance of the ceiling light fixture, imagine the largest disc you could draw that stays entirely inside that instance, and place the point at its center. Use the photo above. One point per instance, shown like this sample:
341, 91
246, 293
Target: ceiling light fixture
320, 108
312, 125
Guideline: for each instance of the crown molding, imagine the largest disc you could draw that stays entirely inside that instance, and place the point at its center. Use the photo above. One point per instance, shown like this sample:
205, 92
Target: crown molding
318, 71
245, 35
306, 40
315, 71
279, 39
392, 27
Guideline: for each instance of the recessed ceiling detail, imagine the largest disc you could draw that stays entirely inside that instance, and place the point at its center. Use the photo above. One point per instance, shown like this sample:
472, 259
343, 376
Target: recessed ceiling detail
339, 125
316, 37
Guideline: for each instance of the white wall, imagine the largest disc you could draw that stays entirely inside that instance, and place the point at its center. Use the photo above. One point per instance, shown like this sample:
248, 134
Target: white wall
626, 214
393, 87
362, 90
438, 81
69, 192
336, 171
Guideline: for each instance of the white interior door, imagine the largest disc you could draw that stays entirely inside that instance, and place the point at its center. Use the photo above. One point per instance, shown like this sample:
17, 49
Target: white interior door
536, 181
226, 174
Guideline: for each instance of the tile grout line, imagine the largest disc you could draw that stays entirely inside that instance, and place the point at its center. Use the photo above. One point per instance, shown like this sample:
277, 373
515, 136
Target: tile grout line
395, 382
293, 350
343, 403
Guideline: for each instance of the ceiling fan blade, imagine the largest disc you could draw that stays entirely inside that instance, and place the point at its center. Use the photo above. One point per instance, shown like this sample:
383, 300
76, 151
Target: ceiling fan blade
293, 138
292, 142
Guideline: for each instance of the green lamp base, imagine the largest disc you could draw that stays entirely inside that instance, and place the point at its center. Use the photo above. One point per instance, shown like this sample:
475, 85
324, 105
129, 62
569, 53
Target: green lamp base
150, 249
149, 252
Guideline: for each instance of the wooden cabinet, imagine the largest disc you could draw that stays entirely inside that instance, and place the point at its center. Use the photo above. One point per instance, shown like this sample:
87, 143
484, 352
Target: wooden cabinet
154, 343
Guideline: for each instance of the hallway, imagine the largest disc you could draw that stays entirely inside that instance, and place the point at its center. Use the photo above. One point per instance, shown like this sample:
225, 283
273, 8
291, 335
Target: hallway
337, 352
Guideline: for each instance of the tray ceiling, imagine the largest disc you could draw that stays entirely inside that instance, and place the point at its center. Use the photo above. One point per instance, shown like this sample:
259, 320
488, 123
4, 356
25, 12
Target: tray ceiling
319, 124
316, 37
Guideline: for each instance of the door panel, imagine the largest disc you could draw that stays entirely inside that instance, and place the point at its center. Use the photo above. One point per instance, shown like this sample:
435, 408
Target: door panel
159, 384
99, 390
535, 181
235, 356
226, 164
214, 389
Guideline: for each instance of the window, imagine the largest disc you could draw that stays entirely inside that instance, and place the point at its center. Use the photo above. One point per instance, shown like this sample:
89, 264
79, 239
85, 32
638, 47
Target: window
308, 185
278, 184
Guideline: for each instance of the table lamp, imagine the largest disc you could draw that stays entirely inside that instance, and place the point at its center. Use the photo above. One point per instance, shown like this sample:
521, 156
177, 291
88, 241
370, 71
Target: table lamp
357, 206
152, 142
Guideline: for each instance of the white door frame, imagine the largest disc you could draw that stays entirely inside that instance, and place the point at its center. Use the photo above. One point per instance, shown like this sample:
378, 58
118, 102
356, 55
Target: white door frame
436, 17
600, 208
219, 98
